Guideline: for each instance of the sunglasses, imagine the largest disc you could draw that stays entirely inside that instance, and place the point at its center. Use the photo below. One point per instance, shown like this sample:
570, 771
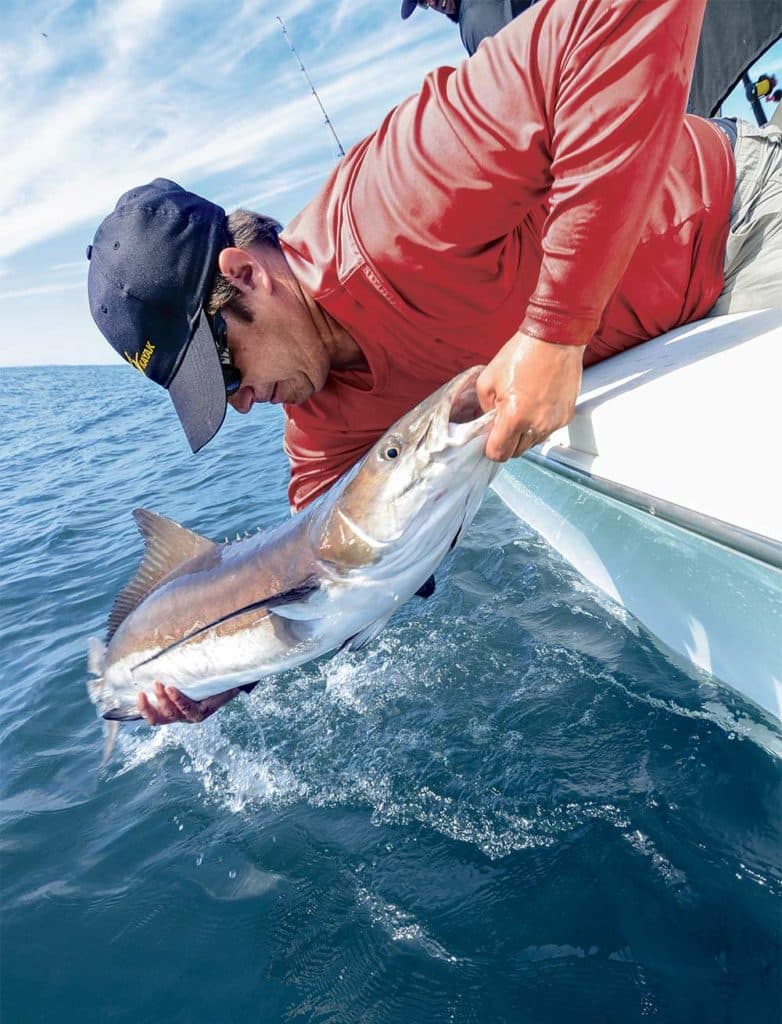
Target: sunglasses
232, 378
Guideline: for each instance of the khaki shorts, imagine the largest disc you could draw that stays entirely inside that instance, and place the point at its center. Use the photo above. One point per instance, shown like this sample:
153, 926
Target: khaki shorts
753, 255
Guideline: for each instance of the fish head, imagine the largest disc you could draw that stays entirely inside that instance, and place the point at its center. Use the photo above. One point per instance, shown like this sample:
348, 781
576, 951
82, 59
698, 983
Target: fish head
424, 476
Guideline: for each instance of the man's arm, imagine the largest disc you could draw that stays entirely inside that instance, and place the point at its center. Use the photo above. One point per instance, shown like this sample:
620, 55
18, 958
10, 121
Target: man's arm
603, 174
574, 108
576, 104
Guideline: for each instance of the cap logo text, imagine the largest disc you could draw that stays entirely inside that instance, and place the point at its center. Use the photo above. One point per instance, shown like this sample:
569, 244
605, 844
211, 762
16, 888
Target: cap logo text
141, 361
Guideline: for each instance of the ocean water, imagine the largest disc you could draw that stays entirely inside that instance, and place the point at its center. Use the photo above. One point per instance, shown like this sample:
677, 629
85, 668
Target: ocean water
509, 807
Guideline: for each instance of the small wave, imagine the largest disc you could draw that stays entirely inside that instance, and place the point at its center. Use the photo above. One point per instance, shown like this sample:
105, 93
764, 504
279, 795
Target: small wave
401, 926
642, 844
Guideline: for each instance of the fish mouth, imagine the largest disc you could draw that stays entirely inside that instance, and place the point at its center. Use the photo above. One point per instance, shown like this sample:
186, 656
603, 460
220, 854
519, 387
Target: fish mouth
466, 418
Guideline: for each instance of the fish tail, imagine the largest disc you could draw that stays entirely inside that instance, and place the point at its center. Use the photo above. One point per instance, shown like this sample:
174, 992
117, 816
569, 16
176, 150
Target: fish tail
96, 656
109, 742
113, 718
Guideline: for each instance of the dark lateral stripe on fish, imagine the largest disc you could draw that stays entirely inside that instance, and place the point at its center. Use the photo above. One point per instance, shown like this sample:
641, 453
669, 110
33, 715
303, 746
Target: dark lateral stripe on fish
275, 601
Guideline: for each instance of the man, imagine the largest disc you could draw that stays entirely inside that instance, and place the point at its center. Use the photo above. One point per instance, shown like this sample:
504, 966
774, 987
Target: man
542, 206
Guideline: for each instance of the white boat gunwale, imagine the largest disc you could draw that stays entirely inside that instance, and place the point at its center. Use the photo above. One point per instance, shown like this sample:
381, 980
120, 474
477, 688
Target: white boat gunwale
742, 541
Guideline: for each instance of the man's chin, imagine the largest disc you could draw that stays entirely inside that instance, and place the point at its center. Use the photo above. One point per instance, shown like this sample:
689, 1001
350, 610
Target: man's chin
297, 394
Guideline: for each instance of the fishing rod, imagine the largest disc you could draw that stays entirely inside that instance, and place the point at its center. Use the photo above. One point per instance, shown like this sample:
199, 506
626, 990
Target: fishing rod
326, 118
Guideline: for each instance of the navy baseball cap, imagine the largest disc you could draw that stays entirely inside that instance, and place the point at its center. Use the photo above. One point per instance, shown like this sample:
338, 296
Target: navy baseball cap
408, 6
152, 266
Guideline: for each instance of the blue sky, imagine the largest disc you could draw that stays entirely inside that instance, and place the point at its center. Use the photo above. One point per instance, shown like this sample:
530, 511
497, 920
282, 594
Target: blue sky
98, 97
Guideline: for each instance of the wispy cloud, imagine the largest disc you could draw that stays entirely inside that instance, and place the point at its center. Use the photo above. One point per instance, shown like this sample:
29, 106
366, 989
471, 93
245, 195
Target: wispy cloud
69, 267
341, 14
125, 91
48, 289
97, 96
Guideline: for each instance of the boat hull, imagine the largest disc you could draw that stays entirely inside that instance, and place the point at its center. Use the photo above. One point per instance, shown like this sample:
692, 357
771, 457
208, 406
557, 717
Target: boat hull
671, 515
718, 610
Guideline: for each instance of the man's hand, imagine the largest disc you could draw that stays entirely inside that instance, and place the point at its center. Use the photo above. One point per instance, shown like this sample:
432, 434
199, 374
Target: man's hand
174, 706
533, 386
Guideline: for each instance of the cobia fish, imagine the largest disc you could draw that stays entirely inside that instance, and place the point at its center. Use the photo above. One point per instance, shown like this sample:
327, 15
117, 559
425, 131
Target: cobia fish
206, 617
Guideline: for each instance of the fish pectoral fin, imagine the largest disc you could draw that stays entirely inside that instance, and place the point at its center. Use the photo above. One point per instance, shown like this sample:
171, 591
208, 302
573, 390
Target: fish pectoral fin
366, 635
294, 595
295, 603
426, 589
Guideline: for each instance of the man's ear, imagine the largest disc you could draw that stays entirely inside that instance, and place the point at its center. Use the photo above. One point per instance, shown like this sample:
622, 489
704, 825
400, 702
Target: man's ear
243, 270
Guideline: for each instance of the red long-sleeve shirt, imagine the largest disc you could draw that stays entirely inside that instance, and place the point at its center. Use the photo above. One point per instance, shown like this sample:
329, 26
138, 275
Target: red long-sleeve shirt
550, 183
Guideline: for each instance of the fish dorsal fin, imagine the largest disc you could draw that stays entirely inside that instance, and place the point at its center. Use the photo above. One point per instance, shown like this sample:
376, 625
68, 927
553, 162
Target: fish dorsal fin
168, 546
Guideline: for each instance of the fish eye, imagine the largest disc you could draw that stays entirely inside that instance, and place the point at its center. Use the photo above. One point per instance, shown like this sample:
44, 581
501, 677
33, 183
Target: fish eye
392, 450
